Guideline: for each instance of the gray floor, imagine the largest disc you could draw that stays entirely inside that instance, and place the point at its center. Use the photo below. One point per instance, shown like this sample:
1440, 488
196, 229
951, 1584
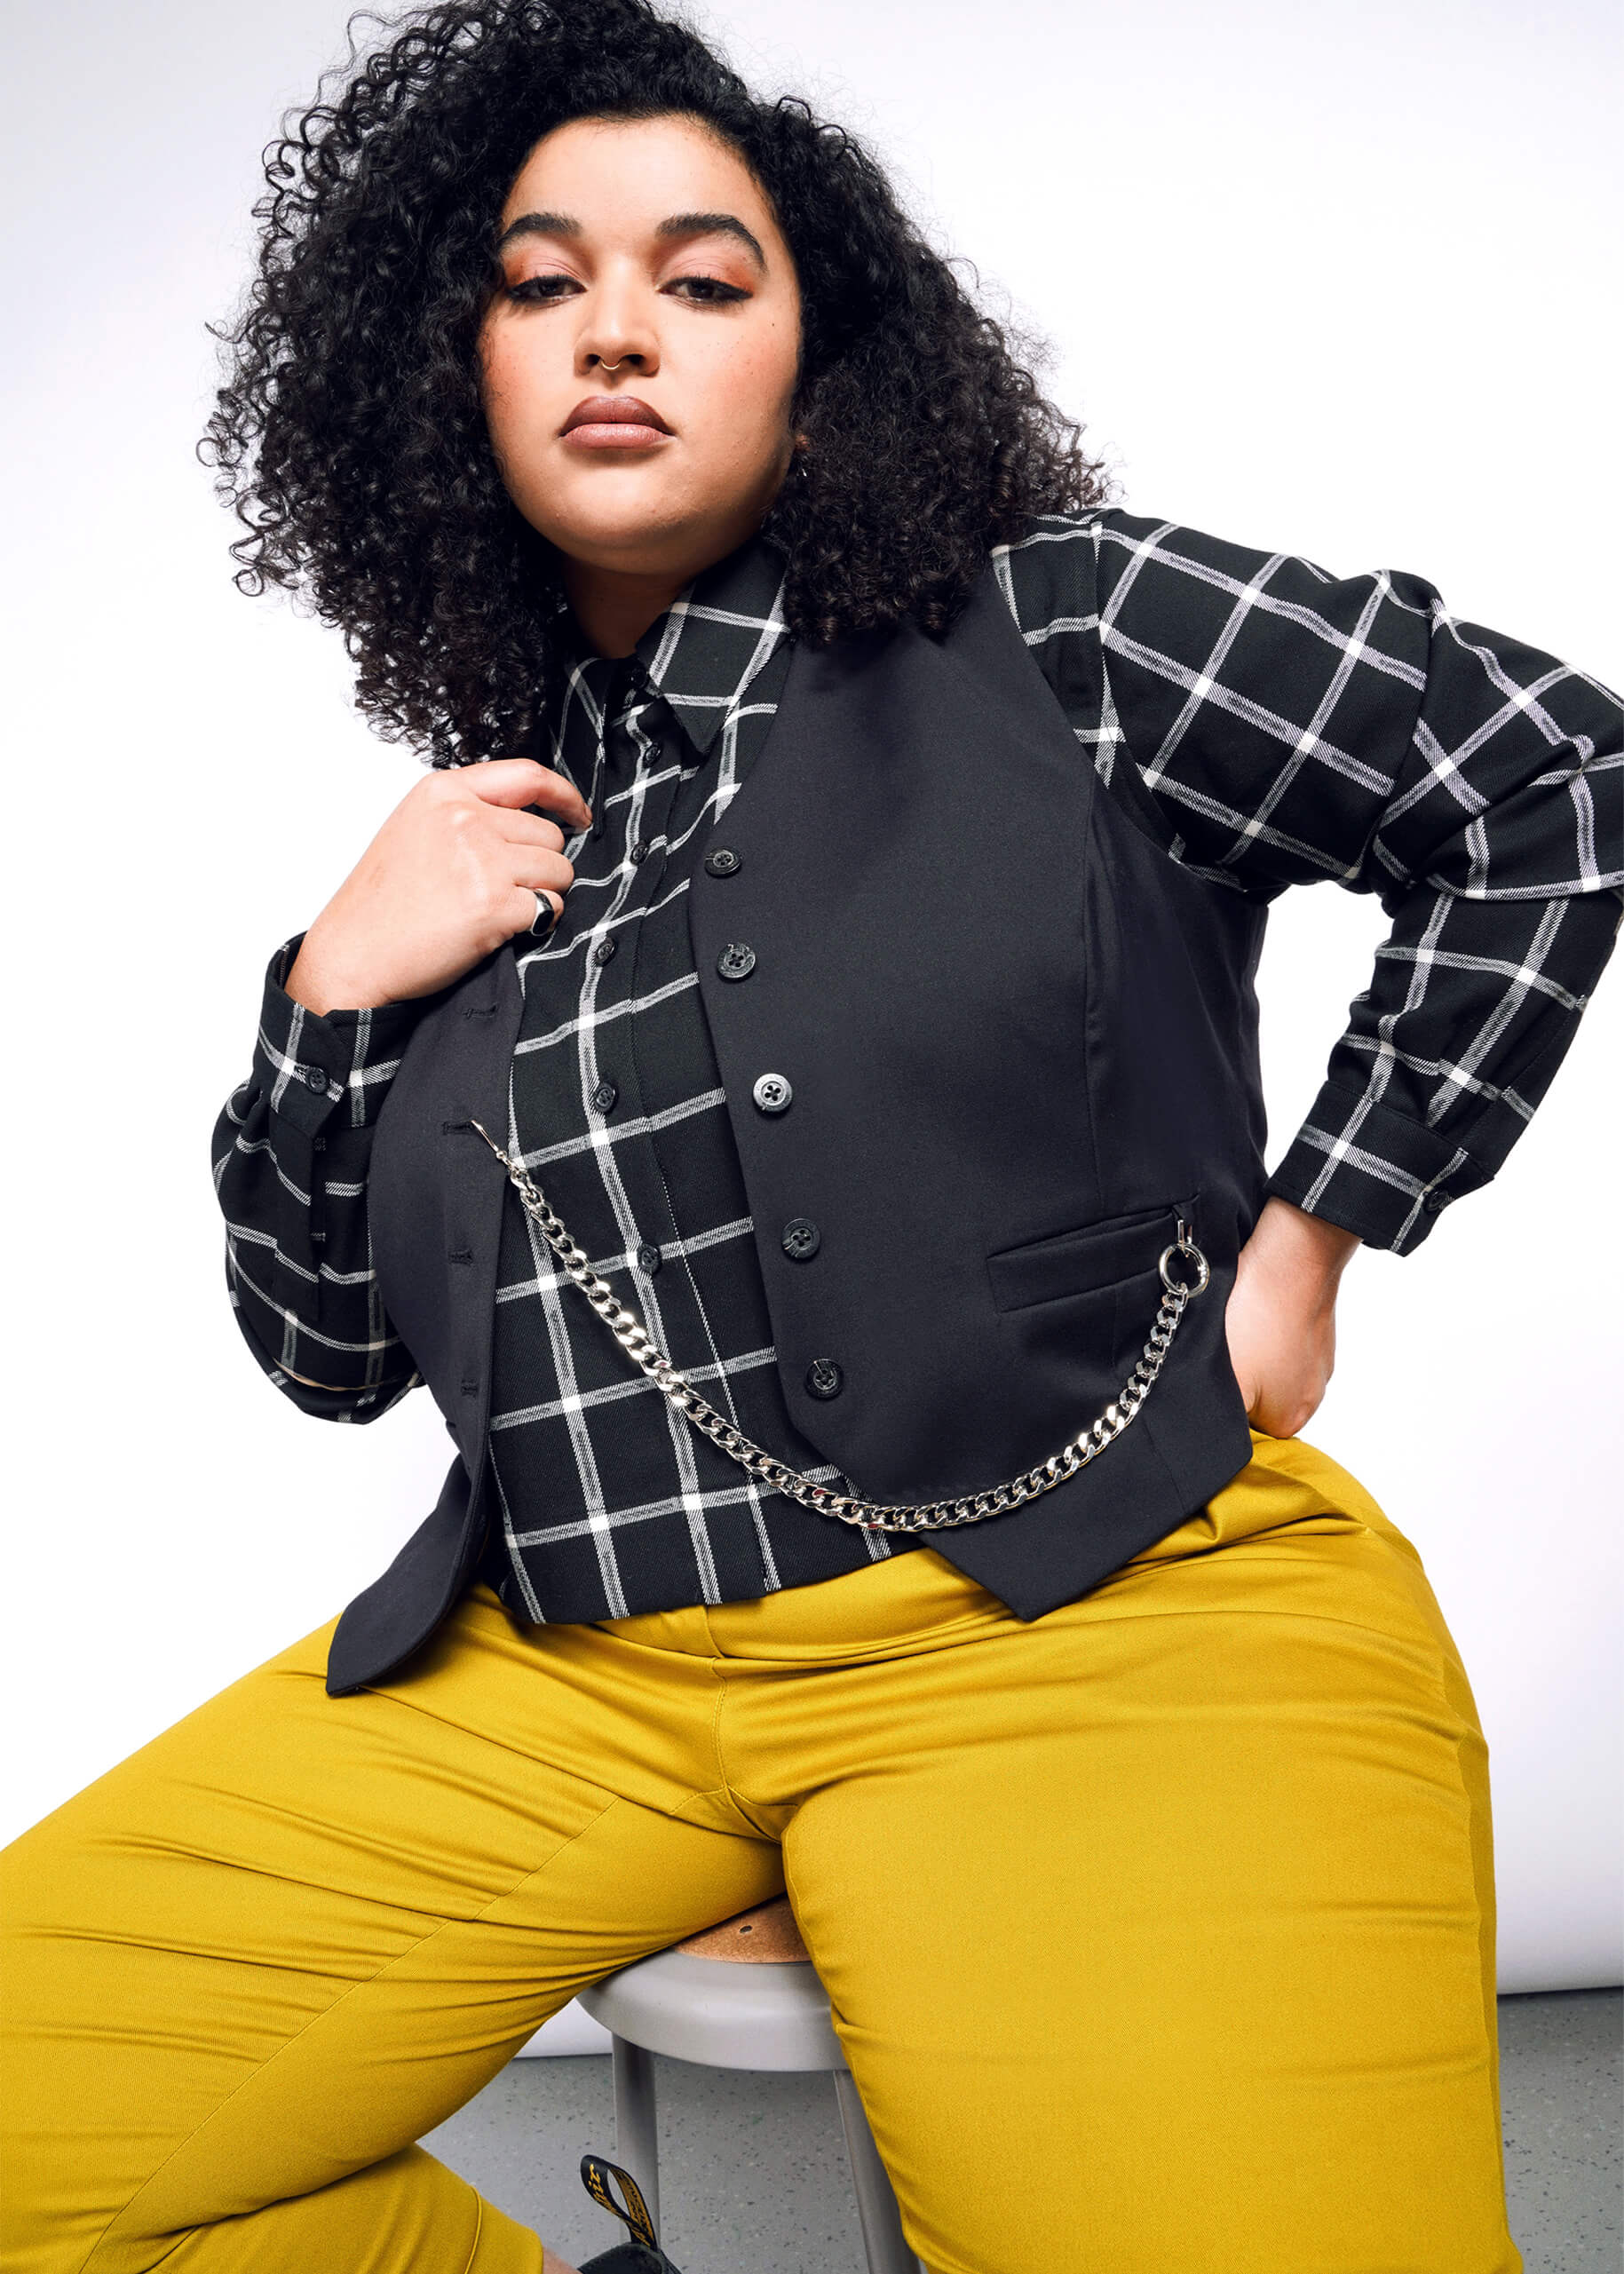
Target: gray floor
754, 2179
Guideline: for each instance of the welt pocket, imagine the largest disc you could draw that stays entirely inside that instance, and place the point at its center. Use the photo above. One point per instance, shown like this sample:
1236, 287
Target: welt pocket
1075, 1263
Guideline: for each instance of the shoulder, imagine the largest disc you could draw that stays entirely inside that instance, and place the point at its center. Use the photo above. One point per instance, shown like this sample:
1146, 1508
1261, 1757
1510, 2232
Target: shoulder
1048, 574
1057, 573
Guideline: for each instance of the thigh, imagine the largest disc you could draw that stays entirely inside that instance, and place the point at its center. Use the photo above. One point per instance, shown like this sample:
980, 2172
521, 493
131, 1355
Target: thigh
294, 1932
1160, 1933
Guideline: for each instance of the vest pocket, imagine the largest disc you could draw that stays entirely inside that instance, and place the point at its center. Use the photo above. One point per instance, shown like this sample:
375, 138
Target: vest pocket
1094, 1256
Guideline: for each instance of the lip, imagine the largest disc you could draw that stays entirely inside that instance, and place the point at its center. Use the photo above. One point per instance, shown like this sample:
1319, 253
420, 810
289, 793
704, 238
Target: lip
615, 422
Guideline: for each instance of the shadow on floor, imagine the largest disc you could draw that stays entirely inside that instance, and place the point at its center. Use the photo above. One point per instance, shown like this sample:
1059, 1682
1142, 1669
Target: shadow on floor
754, 2180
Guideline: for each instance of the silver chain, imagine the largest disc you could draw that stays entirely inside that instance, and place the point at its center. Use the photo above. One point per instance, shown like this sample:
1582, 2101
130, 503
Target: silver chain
928, 1515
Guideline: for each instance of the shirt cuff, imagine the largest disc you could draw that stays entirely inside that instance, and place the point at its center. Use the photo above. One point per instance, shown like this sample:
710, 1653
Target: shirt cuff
1372, 1171
312, 1065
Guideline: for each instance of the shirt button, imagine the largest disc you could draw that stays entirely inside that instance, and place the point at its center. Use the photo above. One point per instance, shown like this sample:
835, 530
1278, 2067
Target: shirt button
736, 960
772, 1092
801, 1239
824, 1378
722, 862
641, 849
604, 953
605, 1096
315, 1078
649, 1259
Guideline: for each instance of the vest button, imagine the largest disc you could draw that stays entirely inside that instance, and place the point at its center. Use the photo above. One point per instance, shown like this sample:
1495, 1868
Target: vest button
824, 1378
722, 862
736, 960
772, 1092
605, 1096
802, 1238
649, 1258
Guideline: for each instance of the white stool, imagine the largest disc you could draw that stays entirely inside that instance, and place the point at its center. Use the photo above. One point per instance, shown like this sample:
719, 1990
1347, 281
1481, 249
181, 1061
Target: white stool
742, 1995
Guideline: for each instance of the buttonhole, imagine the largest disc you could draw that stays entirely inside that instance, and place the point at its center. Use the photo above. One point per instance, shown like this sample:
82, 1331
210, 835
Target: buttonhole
450, 1128
481, 1011
462, 1255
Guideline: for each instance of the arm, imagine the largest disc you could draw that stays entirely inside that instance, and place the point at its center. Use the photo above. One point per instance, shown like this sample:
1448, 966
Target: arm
1291, 727
1269, 725
455, 869
1294, 726
291, 1150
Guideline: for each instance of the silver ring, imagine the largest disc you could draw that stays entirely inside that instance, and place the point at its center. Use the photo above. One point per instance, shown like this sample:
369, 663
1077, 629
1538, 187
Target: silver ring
1184, 1245
545, 915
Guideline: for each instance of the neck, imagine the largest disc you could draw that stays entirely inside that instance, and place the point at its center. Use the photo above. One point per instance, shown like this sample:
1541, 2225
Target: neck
615, 606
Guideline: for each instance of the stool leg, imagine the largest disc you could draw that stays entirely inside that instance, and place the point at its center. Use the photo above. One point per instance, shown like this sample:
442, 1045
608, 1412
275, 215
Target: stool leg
884, 2244
632, 2069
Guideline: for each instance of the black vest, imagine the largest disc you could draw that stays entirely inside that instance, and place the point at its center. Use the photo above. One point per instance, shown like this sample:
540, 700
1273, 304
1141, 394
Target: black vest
1022, 1042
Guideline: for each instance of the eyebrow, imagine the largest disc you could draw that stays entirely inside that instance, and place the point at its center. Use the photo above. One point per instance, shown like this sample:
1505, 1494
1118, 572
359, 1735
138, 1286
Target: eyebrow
674, 224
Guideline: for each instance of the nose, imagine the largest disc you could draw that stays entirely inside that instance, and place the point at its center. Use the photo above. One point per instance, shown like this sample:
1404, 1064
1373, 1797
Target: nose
616, 333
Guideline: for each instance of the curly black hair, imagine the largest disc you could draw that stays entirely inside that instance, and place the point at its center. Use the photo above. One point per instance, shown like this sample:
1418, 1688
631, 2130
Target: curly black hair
349, 433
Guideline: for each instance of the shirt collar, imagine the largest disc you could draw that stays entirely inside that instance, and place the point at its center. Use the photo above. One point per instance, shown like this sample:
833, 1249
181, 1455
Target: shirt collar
702, 654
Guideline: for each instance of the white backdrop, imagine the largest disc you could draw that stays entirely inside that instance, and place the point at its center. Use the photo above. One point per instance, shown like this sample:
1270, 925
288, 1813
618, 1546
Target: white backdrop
1340, 281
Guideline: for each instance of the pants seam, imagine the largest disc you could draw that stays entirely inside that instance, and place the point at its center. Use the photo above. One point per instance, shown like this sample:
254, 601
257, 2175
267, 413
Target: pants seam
734, 1799
478, 2228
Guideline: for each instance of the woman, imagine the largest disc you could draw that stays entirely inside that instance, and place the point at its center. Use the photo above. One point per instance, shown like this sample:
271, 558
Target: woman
828, 932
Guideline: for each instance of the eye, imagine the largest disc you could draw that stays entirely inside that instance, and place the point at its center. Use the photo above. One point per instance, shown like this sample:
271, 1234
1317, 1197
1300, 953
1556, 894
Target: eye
712, 289
705, 291
535, 288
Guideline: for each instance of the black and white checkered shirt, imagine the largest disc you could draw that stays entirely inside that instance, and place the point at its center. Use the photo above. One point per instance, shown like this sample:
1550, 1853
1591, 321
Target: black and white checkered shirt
1267, 723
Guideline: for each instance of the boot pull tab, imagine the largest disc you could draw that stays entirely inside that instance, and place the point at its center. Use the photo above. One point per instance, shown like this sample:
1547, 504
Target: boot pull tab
596, 2172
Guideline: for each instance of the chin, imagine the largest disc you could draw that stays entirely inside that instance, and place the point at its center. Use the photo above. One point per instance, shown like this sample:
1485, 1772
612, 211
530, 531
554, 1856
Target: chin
648, 533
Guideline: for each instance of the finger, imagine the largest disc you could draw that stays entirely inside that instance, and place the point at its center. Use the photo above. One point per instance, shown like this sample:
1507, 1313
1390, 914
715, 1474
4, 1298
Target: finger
523, 913
1247, 1375
525, 827
522, 781
535, 867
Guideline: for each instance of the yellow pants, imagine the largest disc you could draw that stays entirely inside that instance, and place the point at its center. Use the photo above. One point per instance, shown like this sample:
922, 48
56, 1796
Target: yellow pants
1159, 1932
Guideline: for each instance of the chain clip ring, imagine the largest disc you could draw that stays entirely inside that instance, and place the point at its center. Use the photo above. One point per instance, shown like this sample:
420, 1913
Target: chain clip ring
1182, 1244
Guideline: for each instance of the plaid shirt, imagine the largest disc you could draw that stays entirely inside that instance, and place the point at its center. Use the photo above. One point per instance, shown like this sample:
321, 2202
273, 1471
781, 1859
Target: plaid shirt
1267, 723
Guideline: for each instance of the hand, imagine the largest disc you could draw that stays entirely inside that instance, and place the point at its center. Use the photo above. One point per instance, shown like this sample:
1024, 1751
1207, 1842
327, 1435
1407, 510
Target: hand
1281, 1317
452, 873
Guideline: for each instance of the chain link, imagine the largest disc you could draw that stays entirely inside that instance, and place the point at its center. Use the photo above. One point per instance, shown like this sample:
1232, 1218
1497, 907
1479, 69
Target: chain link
926, 1516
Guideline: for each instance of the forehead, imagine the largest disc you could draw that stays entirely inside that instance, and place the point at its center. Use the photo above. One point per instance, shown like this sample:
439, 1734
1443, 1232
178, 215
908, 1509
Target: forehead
614, 171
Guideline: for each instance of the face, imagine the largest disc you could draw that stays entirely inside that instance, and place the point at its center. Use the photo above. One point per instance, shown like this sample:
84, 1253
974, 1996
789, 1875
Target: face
645, 245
